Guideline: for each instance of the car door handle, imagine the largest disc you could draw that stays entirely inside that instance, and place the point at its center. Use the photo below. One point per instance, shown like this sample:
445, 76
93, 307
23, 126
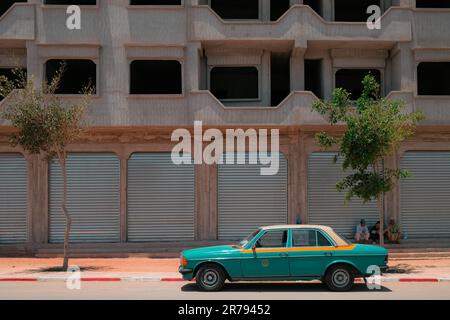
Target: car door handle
283, 254
328, 253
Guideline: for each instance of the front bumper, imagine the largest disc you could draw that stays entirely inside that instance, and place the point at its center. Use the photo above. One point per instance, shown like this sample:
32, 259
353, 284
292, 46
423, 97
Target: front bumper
186, 273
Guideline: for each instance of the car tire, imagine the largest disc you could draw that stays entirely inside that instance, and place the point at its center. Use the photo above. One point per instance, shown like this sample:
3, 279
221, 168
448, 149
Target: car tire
210, 277
340, 278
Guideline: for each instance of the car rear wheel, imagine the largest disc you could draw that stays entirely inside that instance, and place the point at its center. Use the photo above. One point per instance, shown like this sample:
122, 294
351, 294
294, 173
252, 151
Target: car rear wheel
210, 277
340, 278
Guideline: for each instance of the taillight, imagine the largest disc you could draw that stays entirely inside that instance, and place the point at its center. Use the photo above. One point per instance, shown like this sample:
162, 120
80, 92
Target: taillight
183, 261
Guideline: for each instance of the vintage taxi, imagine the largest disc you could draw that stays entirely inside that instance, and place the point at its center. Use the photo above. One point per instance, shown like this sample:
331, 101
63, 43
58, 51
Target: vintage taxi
284, 252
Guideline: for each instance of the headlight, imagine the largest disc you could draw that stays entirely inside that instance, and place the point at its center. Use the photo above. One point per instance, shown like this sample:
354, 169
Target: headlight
183, 261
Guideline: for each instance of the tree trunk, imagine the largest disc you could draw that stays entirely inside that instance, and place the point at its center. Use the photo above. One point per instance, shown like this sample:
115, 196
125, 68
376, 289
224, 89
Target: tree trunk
380, 203
62, 162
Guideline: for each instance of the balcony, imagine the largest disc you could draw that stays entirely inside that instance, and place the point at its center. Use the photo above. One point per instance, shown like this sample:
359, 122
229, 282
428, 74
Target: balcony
431, 28
299, 23
17, 23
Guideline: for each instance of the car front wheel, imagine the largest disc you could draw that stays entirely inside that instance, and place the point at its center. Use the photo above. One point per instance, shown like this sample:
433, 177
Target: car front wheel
340, 278
210, 278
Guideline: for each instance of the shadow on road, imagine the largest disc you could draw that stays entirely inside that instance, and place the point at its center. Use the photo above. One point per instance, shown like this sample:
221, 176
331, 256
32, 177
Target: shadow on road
281, 287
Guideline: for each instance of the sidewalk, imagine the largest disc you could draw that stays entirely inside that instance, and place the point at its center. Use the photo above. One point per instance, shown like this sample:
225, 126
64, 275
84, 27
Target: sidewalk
145, 269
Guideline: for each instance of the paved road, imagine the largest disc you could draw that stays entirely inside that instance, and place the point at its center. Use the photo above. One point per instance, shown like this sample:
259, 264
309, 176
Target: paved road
235, 291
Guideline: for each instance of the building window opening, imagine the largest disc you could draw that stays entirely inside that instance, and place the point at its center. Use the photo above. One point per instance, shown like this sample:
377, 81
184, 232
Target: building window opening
433, 78
278, 8
236, 9
280, 77
234, 83
316, 5
353, 10
432, 3
155, 77
350, 80
78, 74
313, 76
15, 76
6, 4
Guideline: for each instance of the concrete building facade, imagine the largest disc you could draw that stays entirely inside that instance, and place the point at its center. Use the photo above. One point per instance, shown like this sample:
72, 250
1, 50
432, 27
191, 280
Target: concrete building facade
254, 64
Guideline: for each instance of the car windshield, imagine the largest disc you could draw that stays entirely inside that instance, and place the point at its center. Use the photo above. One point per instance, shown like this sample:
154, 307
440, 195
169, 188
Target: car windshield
244, 242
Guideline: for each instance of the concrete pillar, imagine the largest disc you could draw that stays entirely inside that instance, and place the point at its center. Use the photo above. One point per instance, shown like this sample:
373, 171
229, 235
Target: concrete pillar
328, 9
327, 76
192, 67
265, 79
35, 67
123, 196
264, 10
408, 67
297, 69
37, 199
206, 202
294, 2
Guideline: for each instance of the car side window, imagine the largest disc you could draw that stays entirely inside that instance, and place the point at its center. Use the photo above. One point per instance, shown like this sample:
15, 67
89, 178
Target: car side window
322, 241
303, 238
273, 239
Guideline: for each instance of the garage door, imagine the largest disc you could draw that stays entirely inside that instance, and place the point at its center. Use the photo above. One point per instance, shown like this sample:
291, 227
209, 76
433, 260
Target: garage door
13, 199
425, 196
326, 206
248, 200
161, 197
93, 198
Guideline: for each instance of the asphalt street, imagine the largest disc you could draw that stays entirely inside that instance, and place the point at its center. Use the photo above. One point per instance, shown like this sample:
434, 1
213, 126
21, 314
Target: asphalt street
234, 291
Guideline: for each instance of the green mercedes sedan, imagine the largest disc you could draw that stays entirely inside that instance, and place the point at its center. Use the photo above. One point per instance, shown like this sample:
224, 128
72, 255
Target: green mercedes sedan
284, 252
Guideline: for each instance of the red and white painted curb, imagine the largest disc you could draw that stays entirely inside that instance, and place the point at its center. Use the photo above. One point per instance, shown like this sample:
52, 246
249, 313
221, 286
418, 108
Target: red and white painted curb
163, 279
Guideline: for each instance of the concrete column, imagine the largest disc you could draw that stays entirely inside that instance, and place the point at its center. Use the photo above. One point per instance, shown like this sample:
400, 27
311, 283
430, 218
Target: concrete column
265, 79
295, 177
35, 68
37, 199
192, 67
264, 10
327, 76
206, 202
123, 197
408, 67
328, 9
294, 2
297, 69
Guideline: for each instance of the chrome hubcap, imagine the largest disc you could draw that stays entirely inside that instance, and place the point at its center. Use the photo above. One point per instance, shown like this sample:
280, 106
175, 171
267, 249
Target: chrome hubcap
341, 278
210, 278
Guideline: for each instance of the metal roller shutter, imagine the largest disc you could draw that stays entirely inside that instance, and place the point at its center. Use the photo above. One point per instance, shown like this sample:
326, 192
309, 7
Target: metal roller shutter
425, 196
93, 198
248, 200
161, 198
326, 205
13, 198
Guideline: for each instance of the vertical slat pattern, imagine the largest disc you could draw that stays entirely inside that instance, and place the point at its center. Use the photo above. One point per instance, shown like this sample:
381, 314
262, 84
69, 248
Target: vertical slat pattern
161, 198
425, 195
326, 205
93, 198
13, 199
248, 200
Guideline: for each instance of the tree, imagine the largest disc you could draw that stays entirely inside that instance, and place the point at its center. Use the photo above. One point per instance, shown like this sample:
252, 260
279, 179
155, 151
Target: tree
375, 127
45, 124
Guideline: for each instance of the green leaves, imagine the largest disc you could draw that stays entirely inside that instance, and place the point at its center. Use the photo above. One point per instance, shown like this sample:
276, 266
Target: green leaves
375, 128
44, 123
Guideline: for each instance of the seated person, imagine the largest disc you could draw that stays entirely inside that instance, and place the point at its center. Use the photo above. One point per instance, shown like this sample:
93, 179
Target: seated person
362, 232
393, 231
375, 232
